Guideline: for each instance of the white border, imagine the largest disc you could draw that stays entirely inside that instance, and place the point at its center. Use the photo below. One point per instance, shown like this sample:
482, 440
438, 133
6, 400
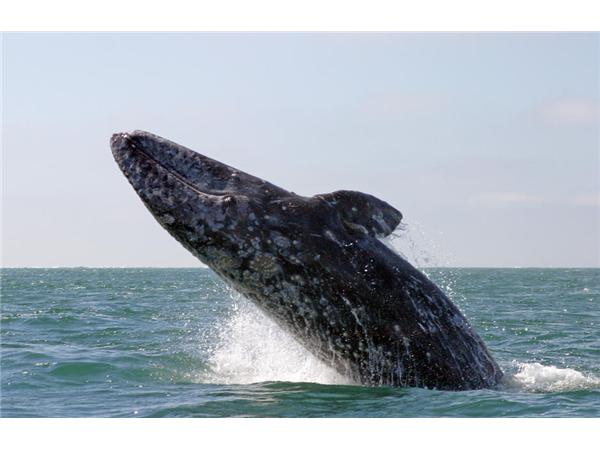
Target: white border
306, 15
302, 434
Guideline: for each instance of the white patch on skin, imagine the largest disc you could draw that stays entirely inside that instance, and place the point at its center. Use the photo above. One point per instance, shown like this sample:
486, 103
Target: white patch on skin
384, 226
281, 241
329, 235
192, 236
458, 321
255, 242
167, 219
294, 260
298, 279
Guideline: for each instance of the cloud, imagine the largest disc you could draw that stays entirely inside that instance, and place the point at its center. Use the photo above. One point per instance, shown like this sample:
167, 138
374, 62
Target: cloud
587, 200
571, 111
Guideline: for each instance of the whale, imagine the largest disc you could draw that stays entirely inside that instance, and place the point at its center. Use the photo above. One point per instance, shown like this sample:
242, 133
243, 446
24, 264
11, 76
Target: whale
316, 265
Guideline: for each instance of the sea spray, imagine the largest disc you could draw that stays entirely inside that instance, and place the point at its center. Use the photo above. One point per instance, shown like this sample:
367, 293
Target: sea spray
415, 244
252, 348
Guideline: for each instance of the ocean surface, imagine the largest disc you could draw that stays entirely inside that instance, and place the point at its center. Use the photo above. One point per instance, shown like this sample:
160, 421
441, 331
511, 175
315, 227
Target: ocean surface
177, 343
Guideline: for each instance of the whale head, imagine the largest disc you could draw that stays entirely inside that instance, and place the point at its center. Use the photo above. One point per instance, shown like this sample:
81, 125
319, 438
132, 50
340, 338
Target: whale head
242, 226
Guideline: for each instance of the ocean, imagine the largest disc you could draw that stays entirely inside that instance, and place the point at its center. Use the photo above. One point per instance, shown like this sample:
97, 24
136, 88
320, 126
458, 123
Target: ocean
142, 342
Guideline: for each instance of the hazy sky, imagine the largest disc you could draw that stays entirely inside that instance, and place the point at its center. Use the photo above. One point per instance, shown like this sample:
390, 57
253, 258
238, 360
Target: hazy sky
488, 143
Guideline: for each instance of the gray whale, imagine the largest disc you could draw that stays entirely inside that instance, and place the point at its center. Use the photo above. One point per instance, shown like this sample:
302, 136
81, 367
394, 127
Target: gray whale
313, 264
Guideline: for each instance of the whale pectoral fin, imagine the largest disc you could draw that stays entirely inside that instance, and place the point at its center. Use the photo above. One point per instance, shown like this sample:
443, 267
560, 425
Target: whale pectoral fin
358, 210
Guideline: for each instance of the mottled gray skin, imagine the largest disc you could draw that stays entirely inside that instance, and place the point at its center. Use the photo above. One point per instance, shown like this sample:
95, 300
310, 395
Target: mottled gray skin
314, 264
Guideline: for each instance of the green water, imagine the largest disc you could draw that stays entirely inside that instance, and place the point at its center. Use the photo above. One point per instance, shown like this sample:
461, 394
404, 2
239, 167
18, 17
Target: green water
175, 342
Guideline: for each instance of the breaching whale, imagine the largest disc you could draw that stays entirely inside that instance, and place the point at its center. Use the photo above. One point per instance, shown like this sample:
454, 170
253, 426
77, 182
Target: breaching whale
315, 265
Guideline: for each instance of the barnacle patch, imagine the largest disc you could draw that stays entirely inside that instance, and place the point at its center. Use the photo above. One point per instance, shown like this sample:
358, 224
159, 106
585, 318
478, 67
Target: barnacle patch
265, 264
221, 259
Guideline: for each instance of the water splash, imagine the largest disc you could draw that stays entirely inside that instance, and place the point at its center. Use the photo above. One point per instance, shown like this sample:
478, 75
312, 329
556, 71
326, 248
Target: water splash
535, 377
415, 244
252, 348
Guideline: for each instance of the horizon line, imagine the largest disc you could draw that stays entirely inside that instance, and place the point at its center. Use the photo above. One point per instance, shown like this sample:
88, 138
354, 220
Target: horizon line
206, 267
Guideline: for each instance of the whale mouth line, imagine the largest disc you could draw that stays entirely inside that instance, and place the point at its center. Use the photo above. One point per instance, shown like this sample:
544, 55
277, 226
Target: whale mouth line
169, 170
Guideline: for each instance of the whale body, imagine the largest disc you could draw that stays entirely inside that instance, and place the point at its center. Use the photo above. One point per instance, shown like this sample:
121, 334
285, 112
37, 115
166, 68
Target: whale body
316, 265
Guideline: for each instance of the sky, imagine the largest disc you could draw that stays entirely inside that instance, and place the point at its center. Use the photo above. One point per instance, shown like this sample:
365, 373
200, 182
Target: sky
488, 143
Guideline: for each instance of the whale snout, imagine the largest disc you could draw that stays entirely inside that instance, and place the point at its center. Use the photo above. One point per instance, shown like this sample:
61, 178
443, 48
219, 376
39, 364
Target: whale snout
119, 142
195, 198
148, 159
118, 138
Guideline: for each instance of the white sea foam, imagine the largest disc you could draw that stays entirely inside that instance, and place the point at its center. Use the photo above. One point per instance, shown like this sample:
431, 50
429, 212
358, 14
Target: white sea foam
535, 377
252, 348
